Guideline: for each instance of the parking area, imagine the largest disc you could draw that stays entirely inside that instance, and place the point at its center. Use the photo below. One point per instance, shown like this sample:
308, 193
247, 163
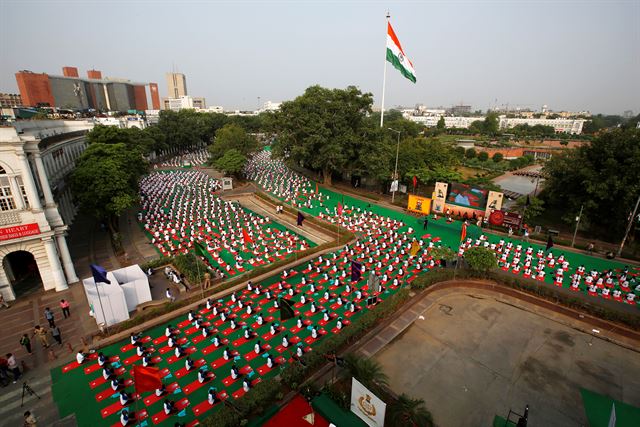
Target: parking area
475, 356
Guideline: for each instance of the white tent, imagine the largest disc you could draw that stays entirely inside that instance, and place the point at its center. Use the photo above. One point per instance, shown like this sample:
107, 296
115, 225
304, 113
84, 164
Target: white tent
112, 302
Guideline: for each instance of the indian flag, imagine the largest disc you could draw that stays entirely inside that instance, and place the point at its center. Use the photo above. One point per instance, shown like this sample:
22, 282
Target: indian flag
396, 55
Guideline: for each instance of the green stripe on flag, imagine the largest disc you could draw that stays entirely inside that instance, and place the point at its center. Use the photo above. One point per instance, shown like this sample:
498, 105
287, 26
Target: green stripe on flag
398, 65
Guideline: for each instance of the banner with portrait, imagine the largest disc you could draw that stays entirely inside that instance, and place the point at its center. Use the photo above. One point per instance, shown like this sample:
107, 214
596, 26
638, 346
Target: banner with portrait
367, 405
419, 204
494, 202
440, 196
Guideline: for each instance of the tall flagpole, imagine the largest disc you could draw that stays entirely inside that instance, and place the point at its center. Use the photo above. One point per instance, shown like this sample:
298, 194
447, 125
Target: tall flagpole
384, 76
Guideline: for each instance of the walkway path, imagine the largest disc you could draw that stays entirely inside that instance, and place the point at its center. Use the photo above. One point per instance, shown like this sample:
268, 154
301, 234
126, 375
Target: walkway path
261, 207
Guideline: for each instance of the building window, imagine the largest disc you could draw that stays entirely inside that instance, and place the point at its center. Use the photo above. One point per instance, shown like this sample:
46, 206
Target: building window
23, 191
6, 199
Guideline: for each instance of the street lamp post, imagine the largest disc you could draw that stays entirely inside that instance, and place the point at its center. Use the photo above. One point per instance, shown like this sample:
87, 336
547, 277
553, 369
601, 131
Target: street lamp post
395, 173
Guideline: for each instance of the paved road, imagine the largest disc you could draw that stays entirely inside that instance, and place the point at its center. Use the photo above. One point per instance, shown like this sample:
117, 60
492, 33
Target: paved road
474, 356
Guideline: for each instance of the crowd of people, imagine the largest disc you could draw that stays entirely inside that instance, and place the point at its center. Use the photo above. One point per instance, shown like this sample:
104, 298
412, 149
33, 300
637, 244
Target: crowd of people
193, 158
180, 209
275, 177
620, 285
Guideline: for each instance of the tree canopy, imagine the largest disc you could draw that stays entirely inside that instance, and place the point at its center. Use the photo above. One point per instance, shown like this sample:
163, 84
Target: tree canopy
105, 180
232, 136
604, 176
231, 162
323, 128
144, 141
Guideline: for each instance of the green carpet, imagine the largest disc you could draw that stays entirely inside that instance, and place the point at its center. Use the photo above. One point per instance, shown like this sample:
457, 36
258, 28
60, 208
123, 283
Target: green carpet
598, 409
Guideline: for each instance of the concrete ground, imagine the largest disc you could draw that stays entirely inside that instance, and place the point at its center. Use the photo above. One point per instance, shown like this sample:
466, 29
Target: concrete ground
471, 357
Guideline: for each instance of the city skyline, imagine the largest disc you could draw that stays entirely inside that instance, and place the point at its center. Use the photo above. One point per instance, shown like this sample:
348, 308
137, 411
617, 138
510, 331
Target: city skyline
569, 55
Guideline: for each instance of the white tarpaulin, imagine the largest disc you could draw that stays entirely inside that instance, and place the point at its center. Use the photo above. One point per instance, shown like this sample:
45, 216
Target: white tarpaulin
112, 302
367, 405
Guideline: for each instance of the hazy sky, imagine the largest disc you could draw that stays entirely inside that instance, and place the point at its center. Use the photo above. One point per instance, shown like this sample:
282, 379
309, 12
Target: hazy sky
566, 54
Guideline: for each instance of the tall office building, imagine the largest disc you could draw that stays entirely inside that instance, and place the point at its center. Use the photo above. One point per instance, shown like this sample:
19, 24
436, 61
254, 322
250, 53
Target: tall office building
177, 85
73, 92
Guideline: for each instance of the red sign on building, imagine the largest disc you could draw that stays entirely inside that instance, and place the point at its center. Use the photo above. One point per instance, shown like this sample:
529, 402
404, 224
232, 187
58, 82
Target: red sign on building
18, 231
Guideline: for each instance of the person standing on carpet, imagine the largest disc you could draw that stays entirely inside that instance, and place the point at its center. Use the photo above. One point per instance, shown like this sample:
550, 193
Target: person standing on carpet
26, 343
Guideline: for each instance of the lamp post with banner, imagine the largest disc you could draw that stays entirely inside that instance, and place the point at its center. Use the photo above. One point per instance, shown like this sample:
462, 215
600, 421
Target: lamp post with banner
395, 182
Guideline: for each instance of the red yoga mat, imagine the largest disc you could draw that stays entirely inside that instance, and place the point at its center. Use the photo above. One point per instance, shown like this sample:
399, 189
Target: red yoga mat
183, 371
173, 359
117, 407
240, 392
129, 347
74, 364
179, 406
264, 369
195, 385
152, 398
204, 406
134, 417
100, 380
96, 366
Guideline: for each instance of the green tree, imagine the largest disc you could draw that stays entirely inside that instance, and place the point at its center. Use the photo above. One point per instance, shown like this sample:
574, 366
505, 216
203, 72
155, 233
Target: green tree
604, 176
476, 127
459, 151
470, 153
534, 209
232, 137
498, 157
368, 371
322, 129
105, 181
407, 411
491, 124
441, 123
483, 156
480, 259
231, 162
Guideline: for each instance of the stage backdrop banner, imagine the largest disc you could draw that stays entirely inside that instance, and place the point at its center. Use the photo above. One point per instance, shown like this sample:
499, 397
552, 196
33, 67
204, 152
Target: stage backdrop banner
419, 204
439, 197
494, 202
367, 405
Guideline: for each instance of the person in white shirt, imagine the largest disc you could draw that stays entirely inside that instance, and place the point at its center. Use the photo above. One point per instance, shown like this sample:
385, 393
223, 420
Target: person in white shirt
124, 417
80, 358
212, 396
160, 391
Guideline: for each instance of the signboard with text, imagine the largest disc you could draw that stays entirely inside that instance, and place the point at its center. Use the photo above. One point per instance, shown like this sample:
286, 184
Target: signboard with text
18, 231
367, 405
419, 204
505, 219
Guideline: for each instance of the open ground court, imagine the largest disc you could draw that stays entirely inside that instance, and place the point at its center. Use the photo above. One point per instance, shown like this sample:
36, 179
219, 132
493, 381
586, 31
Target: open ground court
474, 356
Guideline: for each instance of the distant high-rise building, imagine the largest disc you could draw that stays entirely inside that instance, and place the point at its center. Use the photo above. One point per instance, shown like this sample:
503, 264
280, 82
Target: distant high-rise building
155, 96
177, 85
184, 102
71, 92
